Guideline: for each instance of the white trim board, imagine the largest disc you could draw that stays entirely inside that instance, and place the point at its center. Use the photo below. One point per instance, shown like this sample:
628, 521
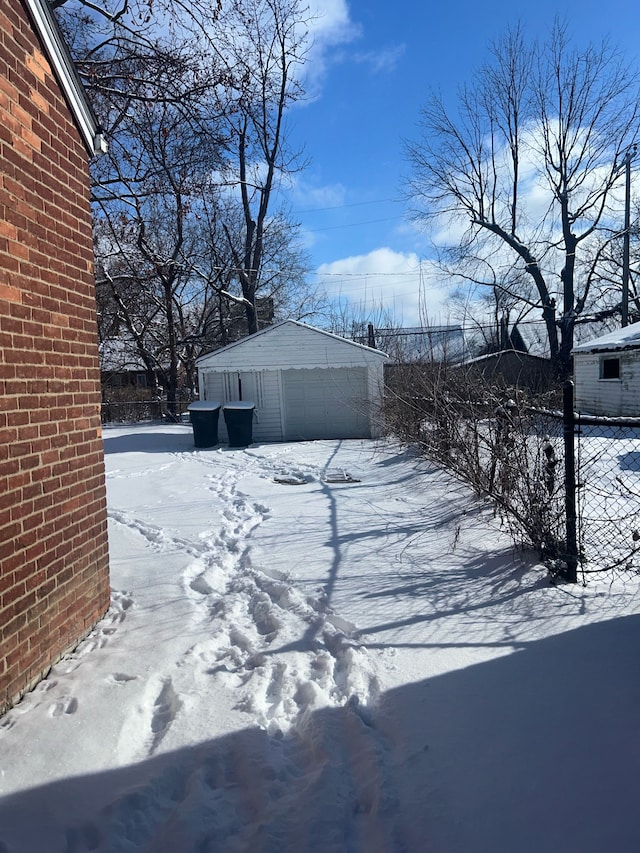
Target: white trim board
66, 74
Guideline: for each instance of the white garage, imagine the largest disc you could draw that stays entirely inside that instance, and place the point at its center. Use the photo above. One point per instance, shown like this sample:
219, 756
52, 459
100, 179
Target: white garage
607, 374
305, 383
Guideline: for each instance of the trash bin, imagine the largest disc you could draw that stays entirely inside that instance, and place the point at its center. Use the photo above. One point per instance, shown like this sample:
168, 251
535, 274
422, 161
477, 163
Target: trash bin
204, 416
238, 416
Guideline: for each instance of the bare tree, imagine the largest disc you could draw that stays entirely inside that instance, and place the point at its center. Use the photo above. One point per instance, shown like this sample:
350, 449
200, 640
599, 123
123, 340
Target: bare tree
166, 279
263, 57
608, 272
132, 51
529, 164
193, 96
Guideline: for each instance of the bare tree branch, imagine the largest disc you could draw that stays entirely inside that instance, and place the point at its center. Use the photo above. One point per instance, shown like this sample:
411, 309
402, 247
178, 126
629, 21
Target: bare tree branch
540, 123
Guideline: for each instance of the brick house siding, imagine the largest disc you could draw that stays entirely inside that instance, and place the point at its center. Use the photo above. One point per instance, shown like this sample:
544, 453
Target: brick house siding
54, 575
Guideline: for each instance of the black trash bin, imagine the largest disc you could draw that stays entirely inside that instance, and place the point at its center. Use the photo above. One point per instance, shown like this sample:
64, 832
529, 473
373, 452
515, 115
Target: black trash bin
204, 416
238, 416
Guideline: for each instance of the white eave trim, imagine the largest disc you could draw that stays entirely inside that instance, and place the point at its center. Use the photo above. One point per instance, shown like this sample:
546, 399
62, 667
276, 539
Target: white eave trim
67, 75
267, 330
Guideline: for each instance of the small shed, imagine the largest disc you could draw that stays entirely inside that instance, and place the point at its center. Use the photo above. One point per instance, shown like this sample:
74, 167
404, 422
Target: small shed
607, 374
305, 383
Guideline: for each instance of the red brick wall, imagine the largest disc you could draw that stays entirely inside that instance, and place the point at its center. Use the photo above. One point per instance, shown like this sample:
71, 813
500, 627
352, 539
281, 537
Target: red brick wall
54, 581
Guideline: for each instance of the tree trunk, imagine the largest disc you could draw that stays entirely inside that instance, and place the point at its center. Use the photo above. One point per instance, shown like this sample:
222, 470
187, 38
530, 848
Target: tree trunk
172, 368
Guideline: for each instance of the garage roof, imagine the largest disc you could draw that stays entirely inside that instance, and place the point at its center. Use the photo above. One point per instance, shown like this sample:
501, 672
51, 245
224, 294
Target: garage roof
280, 346
626, 338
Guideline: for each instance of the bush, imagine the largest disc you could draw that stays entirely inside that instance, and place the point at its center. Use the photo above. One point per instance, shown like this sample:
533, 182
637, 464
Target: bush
504, 442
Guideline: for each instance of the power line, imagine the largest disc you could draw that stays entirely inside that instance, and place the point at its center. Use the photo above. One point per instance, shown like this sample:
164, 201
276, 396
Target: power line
351, 204
351, 224
367, 274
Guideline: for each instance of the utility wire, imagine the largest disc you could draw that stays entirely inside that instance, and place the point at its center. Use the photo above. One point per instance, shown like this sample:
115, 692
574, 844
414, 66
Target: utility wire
351, 204
351, 224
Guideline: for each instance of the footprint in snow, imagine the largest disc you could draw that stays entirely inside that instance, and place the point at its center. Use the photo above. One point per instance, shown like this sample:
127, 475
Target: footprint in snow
120, 678
200, 585
165, 709
84, 838
64, 706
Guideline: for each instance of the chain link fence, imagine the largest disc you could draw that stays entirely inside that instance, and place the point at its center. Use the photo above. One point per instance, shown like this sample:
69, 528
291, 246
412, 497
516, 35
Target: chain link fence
564, 483
589, 517
131, 411
567, 484
607, 489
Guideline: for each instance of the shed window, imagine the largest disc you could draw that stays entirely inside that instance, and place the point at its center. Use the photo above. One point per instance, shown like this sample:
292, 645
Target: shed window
610, 368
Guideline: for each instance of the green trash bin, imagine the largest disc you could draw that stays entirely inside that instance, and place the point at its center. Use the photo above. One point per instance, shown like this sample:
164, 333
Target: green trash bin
204, 416
238, 416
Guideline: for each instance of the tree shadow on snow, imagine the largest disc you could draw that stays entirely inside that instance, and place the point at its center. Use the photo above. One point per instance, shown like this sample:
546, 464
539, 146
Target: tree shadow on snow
165, 438
629, 461
538, 750
143, 438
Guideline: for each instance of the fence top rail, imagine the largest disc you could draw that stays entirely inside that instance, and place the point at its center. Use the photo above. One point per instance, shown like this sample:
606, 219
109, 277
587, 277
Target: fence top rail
588, 420
601, 420
547, 413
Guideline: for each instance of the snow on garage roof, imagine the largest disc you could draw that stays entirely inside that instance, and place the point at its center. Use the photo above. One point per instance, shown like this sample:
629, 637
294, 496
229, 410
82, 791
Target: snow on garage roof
626, 338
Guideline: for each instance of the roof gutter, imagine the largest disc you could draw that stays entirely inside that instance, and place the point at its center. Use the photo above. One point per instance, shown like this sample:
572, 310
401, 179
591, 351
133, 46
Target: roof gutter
67, 75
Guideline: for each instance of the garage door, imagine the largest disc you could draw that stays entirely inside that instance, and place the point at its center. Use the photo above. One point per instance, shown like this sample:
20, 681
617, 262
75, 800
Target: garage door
325, 403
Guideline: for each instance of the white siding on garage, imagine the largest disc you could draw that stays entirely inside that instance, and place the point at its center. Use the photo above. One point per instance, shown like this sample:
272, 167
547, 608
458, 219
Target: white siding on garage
306, 383
610, 397
290, 345
375, 388
263, 389
607, 397
330, 403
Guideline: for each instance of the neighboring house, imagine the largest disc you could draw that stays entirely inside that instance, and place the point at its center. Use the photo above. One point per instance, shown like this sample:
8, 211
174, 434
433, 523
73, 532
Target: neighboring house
417, 344
121, 365
515, 368
233, 323
607, 374
305, 383
54, 573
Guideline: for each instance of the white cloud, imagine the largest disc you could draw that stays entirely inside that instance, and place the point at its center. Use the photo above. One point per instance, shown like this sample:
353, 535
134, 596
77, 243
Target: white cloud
307, 197
389, 284
330, 27
331, 23
380, 60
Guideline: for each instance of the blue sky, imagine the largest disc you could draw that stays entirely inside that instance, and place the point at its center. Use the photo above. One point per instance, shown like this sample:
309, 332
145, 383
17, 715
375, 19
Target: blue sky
374, 64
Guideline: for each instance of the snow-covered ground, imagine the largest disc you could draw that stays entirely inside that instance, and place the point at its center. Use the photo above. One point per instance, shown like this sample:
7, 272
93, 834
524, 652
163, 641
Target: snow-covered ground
319, 648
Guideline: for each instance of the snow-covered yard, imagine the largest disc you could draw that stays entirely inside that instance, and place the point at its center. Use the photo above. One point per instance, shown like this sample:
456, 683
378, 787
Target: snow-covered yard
319, 648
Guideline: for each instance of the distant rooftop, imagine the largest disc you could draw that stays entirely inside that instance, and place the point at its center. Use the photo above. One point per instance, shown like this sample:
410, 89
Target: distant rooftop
627, 337
420, 343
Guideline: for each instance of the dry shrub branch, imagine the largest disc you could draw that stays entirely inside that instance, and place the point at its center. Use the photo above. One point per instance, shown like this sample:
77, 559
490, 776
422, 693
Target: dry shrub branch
495, 438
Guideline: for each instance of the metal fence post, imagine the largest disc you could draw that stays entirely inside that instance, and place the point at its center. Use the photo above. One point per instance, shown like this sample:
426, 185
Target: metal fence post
570, 481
